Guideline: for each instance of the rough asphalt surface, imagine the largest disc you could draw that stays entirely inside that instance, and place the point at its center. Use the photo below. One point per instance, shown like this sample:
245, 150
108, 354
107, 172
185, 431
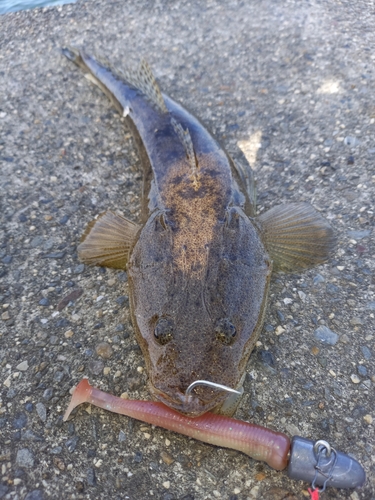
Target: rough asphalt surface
290, 82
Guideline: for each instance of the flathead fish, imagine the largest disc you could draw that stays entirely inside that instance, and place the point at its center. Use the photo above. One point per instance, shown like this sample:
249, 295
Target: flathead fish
199, 263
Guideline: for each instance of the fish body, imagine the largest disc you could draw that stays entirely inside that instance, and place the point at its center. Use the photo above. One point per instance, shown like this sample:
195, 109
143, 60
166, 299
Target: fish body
199, 265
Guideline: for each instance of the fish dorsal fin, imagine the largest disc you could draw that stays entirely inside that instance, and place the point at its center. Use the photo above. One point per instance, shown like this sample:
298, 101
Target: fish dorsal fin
107, 241
296, 236
185, 138
143, 79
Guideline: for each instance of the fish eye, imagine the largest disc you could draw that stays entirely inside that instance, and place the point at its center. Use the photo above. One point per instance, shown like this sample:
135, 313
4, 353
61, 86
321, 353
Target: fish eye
163, 331
225, 331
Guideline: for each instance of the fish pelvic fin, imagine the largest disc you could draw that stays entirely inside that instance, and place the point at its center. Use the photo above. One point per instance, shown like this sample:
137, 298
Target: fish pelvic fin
296, 236
185, 138
107, 241
246, 174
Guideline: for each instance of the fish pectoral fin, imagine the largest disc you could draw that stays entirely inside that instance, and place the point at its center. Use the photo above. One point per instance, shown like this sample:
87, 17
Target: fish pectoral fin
296, 236
107, 241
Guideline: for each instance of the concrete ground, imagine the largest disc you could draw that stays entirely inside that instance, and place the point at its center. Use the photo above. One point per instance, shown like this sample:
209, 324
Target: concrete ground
292, 84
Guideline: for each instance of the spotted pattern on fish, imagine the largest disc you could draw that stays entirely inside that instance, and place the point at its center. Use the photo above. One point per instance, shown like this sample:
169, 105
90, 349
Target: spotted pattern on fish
142, 78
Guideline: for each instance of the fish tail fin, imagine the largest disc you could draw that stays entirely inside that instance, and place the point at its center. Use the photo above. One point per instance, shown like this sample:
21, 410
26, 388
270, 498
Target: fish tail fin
109, 80
296, 236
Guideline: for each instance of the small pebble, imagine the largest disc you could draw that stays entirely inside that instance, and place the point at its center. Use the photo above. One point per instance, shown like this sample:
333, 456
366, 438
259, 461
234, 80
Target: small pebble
64, 219
23, 366
325, 335
167, 485
29, 407
55, 255
48, 393
280, 316
279, 330
20, 421
41, 411
91, 477
5, 316
260, 476
362, 370
35, 495
71, 443
359, 235
96, 367
166, 457
106, 370
58, 376
56, 450
351, 141
36, 242
25, 458
121, 437
79, 269
366, 352
355, 379
122, 300
318, 279
104, 350
368, 419
68, 334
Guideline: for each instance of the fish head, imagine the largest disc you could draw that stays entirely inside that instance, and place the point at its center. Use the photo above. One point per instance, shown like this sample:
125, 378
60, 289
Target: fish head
201, 321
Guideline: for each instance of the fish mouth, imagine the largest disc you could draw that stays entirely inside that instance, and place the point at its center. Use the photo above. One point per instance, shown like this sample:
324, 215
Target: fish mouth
191, 404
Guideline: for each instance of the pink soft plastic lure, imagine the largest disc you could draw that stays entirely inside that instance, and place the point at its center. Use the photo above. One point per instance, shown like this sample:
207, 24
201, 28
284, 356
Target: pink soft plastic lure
253, 440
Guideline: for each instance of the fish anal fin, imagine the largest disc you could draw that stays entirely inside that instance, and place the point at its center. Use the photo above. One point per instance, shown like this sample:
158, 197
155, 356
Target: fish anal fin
107, 241
296, 236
